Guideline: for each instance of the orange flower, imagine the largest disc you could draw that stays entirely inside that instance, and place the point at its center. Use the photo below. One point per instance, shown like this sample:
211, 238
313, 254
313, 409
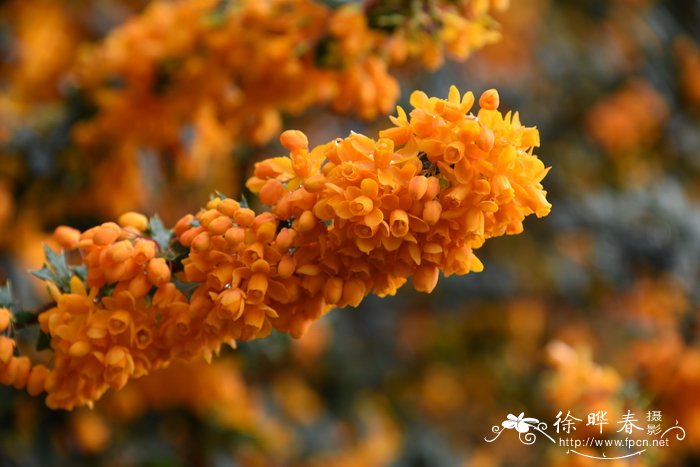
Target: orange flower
158, 272
5, 318
348, 218
135, 220
67, 237
37, 379
7, 347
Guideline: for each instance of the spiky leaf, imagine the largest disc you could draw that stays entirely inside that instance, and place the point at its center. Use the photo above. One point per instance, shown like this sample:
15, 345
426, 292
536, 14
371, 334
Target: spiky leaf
55, 269
159, 233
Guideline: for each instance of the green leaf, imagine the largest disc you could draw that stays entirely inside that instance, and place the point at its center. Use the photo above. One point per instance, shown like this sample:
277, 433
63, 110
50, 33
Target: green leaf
244, 202
45, 274
43, 342
328, 54
107, 290
148, 299
24, 318
80, 271
159, 233
6, 300
186, 288
336, 3
55, 269
217, 17
176, 252
444, 183
57, 262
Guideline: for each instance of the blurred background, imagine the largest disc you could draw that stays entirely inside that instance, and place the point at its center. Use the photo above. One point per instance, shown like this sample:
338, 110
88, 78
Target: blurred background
592, 308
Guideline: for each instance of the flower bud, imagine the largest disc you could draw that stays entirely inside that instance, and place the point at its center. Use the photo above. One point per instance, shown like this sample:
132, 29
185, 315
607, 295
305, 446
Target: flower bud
201, 242
36, 381
271, 192
134, 220
67, 237
485, 141
431, 212
333, 290
306, 222
418, 186
5, 319
107, 233
489, 100
158, 272
23, 367
7, 348
294, 140
426, 278
353, 292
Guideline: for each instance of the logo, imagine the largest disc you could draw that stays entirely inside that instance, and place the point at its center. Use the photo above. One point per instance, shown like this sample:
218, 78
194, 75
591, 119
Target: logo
625, 435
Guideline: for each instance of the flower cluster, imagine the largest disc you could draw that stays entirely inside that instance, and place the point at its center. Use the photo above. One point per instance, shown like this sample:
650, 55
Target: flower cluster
47, 37
172, 88
217, 388
188, 64
369, 214
177, 57
628, 119
348, 218
578, 381
17, 371
101, 342
688, 57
